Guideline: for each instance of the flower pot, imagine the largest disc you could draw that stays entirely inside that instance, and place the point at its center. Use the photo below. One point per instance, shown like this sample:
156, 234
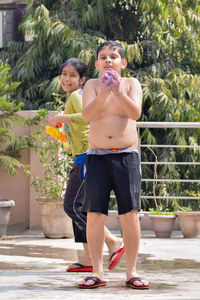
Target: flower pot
113, 220
189, 223
55, 222
163, 225
5, 207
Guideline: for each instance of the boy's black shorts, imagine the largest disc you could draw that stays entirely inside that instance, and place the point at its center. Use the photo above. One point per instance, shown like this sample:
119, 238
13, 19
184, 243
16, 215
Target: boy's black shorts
119, 172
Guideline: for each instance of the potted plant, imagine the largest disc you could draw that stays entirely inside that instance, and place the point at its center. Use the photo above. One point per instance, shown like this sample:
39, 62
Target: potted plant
11, 145
5, 207
189, 218
162, 223
189, 222
51, 186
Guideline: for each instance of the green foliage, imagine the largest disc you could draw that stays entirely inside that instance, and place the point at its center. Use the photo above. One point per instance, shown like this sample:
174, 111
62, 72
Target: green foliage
57, 165
5, 87
59, 30
175, 26
165, 213
11, 145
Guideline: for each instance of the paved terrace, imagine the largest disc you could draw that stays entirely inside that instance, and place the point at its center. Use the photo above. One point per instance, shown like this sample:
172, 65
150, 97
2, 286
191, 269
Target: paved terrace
33, 267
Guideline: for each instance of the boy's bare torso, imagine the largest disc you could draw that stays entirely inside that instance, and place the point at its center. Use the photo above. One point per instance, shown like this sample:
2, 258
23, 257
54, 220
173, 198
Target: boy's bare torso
111, 127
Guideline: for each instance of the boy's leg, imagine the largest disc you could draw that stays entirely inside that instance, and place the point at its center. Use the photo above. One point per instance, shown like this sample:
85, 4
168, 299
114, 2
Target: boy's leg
95, 239
131, 237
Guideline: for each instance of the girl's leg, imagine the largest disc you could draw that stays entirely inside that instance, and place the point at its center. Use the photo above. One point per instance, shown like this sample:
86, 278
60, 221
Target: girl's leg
112, 241
72, 206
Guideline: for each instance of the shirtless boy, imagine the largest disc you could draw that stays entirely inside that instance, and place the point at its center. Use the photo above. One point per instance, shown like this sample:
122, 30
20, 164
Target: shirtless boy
112, 105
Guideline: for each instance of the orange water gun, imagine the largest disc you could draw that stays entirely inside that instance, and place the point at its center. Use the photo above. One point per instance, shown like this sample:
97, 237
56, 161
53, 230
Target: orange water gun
57, 134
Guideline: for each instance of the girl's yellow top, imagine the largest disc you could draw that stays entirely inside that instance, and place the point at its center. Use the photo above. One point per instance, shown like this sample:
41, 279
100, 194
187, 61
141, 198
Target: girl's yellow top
78, 131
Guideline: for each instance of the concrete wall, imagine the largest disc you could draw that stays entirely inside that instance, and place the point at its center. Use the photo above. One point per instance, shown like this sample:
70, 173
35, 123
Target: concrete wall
18, 187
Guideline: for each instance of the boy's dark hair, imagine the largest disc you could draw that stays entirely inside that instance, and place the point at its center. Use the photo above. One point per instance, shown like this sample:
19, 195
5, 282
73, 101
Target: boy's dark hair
78, 64
112, 44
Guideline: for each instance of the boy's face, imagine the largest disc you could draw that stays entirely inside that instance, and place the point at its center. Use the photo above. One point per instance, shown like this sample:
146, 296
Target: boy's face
110, 59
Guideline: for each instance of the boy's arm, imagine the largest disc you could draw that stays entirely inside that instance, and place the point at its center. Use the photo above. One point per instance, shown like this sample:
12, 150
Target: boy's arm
131, 102
92, 102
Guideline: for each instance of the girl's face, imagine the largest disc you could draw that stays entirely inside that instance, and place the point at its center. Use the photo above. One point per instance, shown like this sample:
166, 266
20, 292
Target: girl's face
70, 79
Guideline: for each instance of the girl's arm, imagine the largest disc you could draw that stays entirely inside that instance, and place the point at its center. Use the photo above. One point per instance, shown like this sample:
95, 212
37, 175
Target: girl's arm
73, 104
54, 120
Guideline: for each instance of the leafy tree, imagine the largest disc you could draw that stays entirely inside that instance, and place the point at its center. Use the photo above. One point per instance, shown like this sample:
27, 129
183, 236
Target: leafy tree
58, 34
11, 145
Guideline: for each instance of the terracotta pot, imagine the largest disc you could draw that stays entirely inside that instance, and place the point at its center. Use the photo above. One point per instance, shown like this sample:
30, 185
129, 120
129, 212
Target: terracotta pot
5, 207
189, 223
113, 220
55, 222
163, 225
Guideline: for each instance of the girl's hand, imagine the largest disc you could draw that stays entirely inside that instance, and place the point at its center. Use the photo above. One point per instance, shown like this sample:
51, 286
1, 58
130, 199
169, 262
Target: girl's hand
68, 149
53, 121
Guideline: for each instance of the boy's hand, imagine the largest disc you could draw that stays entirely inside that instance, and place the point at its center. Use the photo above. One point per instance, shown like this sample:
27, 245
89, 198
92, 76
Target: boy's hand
110, 81
104, 87
110, 78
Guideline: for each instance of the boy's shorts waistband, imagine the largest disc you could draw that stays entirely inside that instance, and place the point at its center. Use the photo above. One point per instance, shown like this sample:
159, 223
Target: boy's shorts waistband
112, 151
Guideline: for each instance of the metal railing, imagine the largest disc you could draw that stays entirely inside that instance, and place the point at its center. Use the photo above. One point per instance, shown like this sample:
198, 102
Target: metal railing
164, 125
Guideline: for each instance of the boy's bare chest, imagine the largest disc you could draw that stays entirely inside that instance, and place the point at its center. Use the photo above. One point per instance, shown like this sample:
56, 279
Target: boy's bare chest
112, 106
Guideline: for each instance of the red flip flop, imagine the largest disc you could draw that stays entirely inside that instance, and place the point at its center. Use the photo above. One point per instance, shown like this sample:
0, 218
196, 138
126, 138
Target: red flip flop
118, 254
80, 268
96, 280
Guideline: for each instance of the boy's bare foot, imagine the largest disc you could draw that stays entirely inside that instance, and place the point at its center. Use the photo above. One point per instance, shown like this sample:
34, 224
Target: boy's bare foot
92, 280
137, 283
